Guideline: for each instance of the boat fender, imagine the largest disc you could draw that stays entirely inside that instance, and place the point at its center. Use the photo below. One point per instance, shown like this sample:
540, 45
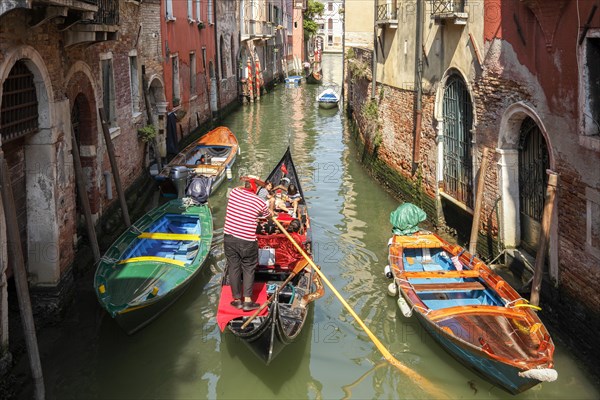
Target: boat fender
388, 272
404, 307
392, 289
239, 151
540, 374
228, 172
390, 241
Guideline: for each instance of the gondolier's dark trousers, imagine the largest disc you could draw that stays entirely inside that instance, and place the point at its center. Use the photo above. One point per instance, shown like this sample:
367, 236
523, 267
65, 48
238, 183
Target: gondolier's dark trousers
242, 259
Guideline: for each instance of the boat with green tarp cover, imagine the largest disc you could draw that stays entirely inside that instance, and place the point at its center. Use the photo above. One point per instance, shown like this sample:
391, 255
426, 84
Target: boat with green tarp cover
152, 263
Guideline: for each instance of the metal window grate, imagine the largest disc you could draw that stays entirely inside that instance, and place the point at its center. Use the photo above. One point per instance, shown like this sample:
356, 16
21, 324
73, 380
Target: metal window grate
533, 162
447, 6
458, 115
19, 113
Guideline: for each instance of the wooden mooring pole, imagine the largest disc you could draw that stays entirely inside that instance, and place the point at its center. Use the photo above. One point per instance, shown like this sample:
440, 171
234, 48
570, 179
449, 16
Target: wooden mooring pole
20, 275
115, 167
83, 198
540, 257
478, 202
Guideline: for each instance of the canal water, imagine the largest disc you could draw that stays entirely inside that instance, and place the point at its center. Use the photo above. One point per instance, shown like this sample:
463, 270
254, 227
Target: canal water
183, 355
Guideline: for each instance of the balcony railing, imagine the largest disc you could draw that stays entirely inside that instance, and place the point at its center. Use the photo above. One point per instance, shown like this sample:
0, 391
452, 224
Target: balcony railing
387, 12
449, 10
255, 29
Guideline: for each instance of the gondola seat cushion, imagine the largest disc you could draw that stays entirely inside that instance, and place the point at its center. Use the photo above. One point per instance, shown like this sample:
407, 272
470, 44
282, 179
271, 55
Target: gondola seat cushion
286, 253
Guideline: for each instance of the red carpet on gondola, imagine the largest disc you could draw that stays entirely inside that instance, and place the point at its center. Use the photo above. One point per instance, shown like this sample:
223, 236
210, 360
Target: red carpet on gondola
227, 312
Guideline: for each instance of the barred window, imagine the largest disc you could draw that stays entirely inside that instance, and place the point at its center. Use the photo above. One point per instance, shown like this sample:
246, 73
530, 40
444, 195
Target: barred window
19, 113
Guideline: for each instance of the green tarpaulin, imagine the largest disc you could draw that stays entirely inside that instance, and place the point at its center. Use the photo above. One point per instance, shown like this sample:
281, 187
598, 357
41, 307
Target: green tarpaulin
406, 218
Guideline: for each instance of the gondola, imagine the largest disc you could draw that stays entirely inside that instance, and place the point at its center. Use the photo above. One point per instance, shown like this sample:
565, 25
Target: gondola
314, 77
293, 80
470, 311
212, 156
152, 263
282, 321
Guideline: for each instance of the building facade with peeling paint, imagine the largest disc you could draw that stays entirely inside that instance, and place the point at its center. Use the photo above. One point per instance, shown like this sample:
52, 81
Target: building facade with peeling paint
519, 79
58, 66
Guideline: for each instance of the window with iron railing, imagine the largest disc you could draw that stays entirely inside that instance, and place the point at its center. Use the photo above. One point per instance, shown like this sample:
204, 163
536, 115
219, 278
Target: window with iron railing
447, 6
387, 10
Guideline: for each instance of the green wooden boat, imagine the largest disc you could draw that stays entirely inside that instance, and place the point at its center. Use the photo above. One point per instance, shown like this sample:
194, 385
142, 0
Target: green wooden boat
152, 263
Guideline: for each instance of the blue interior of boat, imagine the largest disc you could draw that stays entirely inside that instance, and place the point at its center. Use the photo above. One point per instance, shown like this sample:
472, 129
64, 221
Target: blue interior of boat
208, 151
328, 97
174, 249
438, 260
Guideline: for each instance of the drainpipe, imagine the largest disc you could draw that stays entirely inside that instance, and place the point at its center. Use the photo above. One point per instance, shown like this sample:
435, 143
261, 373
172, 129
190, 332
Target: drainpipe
219, 56
343, 52
374, 67
418, 82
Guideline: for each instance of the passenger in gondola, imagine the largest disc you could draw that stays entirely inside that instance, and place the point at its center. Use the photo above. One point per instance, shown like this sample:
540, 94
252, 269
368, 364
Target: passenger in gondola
241, 248
280, 202
293, 199
284, 183
266, 193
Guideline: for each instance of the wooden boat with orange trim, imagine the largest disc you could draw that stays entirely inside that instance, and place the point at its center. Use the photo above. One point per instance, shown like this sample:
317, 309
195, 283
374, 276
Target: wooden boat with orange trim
471, 311
212, 156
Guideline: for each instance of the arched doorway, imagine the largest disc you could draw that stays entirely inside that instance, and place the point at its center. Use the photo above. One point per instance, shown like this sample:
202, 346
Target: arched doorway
222, 57
233, 63
525, 150
82, 126
457, 154
29, 138
533, 163
18, 119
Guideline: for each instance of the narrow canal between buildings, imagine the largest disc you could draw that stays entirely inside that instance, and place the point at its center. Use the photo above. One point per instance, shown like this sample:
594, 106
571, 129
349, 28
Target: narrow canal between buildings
183, 355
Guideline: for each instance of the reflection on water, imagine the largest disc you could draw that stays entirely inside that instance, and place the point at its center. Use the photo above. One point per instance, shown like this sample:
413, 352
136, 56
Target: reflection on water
182, 355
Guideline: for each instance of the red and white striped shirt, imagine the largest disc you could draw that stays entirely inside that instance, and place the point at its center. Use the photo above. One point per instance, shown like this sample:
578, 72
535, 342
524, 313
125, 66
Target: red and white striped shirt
243, 208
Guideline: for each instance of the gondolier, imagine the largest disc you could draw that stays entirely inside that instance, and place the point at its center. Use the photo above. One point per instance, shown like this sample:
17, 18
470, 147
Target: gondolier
241, 247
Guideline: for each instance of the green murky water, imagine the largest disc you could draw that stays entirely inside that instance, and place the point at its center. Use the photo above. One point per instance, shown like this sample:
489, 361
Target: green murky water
182, 355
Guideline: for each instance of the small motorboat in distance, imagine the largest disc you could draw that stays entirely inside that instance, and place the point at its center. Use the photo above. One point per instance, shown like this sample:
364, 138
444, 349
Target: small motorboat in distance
293, 80
469, 310
212, 156
328, 99
152, 263
283, 276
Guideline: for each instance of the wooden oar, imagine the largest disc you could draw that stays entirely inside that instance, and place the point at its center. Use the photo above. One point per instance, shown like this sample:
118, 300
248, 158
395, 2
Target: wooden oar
416, 377
300, 265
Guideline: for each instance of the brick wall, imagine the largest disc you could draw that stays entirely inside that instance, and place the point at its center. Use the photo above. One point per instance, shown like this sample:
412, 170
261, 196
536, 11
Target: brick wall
574, 306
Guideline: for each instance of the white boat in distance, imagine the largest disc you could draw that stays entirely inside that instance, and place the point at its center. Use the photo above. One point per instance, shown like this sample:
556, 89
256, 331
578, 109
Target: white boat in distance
328, 99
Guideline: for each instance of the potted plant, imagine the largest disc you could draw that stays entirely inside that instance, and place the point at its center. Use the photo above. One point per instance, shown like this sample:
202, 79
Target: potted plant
147, 133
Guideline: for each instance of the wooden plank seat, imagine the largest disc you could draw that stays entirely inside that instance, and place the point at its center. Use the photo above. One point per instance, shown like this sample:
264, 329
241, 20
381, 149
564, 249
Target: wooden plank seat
447, 287
468, 273
169, 236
